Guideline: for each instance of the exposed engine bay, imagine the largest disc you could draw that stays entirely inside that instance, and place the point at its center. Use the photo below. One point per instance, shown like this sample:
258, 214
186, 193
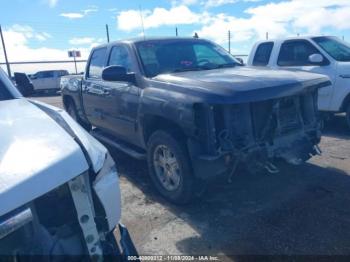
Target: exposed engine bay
259, 133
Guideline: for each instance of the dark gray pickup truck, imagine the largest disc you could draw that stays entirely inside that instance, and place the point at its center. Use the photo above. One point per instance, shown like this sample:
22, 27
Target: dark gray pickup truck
194, 111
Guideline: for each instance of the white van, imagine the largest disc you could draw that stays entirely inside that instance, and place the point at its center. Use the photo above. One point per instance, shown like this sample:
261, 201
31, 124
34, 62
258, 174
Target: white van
320, 54
48, 80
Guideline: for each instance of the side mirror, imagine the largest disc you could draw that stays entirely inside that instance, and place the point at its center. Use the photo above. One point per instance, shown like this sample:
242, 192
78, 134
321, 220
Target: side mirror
316, 59
117, 73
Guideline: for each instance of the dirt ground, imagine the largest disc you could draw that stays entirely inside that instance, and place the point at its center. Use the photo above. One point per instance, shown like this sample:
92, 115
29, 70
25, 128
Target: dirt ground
303, 210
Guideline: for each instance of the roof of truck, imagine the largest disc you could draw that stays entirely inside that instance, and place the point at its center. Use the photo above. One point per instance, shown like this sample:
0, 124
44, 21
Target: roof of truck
143, 39
279, 40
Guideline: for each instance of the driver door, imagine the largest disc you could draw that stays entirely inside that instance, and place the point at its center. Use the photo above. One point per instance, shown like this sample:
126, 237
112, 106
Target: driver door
122, 98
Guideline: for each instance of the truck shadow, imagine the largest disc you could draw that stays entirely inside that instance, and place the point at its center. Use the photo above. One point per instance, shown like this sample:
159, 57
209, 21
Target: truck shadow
337, 127
303, 210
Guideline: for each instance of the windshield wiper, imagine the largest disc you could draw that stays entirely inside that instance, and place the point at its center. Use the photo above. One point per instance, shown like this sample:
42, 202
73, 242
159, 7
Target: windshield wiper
198, 68
190, 69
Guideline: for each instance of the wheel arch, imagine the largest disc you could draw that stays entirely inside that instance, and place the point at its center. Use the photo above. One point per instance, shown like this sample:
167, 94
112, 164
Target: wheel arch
152, 123
67, 100
345, 103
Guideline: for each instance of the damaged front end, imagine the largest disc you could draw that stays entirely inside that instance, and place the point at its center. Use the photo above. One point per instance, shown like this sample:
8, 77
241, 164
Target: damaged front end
255, 134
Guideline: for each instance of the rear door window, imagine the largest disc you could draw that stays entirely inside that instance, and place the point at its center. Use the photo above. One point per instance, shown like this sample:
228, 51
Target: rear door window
97, 63
296, 53
262, 54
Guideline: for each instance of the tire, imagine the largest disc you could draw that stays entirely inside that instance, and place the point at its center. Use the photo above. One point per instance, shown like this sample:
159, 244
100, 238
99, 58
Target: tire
73, 112
178, 188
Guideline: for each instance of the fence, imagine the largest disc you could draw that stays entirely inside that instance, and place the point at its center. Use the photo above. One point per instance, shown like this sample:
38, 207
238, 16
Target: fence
34, 66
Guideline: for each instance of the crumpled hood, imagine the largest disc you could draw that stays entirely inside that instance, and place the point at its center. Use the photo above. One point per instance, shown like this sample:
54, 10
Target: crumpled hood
36, 154
241, 83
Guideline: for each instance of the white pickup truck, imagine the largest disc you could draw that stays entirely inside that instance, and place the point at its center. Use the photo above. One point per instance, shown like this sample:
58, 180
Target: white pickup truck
319, 54
48, 81
59, 188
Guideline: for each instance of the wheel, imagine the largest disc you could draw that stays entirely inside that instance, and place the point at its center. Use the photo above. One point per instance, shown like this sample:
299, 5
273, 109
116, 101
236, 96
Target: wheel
72, 111
348, 115
169, 167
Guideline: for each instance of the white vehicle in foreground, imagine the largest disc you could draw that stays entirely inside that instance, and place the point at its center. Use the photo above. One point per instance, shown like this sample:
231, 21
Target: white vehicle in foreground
319, 54
59, 188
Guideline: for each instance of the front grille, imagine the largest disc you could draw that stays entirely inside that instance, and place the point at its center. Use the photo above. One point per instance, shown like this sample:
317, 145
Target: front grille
275, 117
288, 115
258, 122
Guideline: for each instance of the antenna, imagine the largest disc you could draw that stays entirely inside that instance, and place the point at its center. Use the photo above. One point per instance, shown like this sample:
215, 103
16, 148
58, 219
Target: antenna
143, 27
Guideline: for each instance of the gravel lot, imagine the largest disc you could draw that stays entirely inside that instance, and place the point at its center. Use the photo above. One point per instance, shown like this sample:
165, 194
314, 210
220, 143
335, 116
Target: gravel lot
303, 210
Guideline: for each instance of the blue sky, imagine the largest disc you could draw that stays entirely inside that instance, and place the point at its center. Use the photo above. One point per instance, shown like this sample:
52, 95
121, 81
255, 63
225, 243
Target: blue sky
46, 29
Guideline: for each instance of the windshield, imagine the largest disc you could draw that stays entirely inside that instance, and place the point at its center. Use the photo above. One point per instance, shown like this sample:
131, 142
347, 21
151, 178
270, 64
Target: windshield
169, 56
336, 48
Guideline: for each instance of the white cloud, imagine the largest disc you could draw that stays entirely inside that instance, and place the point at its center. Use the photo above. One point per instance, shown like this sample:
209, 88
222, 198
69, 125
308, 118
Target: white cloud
279, 19
78, 15
17, 39
215, 3
28, 32
72, 15
181, 15
183, 2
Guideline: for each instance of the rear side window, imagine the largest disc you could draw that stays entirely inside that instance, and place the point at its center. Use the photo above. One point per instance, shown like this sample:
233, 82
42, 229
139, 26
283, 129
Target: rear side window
45, 74
296, 53
262, 54
97, 63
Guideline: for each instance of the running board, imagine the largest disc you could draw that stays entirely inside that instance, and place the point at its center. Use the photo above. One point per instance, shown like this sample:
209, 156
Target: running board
105, 138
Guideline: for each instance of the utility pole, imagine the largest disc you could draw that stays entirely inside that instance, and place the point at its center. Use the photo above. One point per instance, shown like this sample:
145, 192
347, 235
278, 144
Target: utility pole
75, 63
107, 32
229, 41
5, 53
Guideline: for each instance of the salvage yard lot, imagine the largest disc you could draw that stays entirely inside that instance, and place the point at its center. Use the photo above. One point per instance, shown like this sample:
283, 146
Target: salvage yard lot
302, 210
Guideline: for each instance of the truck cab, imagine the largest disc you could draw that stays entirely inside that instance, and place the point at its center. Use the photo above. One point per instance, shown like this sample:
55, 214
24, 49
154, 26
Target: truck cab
325, 55
47, 80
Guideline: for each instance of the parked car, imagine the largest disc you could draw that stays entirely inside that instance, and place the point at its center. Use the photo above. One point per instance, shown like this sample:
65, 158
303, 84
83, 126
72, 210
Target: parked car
59, 188
23, 84
48, 81
319, 54
193, 111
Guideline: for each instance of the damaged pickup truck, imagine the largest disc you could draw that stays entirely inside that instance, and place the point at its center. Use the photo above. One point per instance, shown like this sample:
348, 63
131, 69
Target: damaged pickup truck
59, 188
193, 111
